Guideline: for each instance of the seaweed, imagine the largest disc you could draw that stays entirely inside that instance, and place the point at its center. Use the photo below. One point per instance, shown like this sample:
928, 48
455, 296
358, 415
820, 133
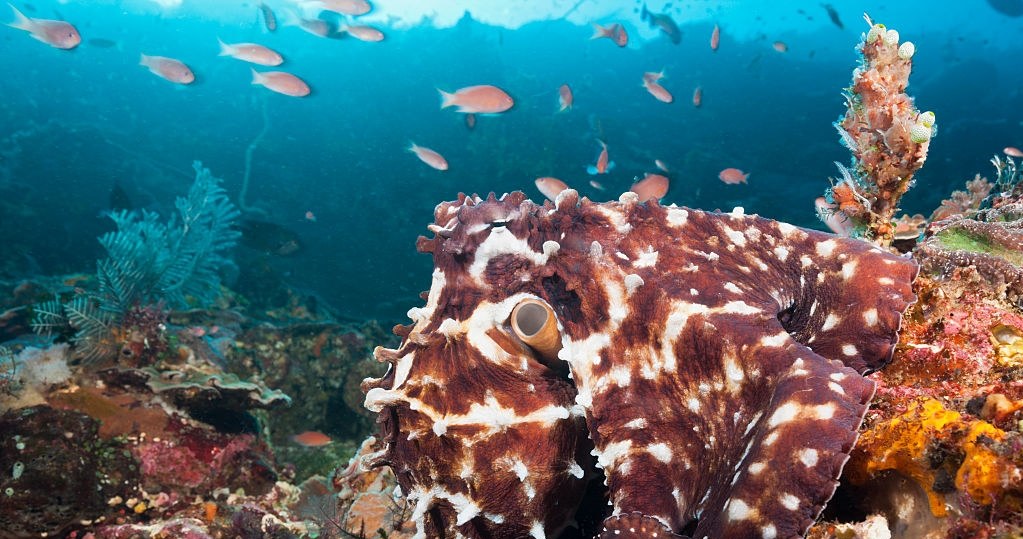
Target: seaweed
150, 262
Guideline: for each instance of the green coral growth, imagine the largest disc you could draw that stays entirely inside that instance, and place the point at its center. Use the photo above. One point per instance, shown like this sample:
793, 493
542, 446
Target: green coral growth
958, 239
150, 262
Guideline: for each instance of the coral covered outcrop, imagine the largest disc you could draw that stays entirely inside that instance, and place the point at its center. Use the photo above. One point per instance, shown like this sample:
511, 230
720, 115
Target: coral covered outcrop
887, 136
710, 358
946, 428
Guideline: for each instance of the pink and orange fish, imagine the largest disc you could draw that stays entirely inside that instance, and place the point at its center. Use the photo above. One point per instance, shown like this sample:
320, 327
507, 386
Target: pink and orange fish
697, 96
59, 34
715, 38
311, 438
659, 92
364, 33
481, 99
732, 176
603, 166
565, 98
345, 7
550, 187
651, 187
615, 32
430, 157
281, 82
252, 53
168, 68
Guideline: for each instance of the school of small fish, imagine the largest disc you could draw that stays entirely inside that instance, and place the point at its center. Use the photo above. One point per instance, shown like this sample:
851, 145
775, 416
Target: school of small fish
471, 101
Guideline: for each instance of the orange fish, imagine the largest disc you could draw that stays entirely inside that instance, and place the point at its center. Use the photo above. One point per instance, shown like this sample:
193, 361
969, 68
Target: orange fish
597, 185
482, 99
310, 216
1013, 152
311, 438
651, 187
429, 157
197, 331
565, 98
715, 38
780, 46
252, 53
655, 89
365, 33
59, 34
697, 96
661, 165
615, 32
732, 176
346, 7
281, 82
603, 166
550, 187
168, 68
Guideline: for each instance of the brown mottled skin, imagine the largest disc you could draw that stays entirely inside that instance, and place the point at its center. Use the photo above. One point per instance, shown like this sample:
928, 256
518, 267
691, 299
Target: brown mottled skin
717, 360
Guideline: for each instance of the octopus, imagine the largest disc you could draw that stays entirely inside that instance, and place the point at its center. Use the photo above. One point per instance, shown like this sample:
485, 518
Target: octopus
705, 370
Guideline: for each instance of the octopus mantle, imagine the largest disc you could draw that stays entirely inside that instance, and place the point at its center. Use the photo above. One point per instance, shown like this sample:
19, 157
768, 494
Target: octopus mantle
712, 363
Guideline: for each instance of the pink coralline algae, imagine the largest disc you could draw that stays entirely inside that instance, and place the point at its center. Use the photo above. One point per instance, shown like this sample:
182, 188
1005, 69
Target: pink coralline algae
709, 358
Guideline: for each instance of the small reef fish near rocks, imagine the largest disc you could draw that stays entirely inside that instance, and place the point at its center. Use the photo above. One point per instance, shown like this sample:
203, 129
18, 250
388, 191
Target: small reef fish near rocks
550, 187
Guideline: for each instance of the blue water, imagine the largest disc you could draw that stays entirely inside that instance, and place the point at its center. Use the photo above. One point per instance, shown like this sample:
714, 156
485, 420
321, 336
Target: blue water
73, 123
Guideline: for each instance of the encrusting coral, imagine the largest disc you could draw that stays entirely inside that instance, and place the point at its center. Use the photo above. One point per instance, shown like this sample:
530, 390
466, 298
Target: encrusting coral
948, 414
887, 135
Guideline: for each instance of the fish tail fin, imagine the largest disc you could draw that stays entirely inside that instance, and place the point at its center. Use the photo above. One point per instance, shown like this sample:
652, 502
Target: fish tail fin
446, 99
591, 170
143, 60
599, 31
745, 177
225, 49
20, 21
412, 147
257, 77
602, 143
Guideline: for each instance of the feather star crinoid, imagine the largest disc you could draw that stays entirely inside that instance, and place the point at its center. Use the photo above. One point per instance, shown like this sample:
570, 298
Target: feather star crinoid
712, 363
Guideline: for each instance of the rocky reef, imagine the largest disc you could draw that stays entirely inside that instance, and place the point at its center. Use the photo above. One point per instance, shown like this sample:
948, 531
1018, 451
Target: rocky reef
188, 435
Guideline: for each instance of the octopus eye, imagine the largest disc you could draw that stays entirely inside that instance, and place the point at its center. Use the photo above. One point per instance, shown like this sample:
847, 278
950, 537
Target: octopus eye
536, 325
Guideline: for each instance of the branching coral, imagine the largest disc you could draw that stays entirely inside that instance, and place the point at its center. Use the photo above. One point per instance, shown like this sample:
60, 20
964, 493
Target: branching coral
888, 136
149, 262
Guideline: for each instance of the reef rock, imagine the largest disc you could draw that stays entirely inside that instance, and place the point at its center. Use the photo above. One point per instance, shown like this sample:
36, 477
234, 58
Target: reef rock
714, 361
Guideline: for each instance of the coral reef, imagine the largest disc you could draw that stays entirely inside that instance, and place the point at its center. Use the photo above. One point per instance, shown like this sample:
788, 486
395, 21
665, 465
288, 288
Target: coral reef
760, 330
887, 135
148, 263
946, 429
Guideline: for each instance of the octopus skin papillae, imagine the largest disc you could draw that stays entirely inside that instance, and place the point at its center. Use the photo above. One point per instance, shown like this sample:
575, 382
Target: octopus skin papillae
707, 370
